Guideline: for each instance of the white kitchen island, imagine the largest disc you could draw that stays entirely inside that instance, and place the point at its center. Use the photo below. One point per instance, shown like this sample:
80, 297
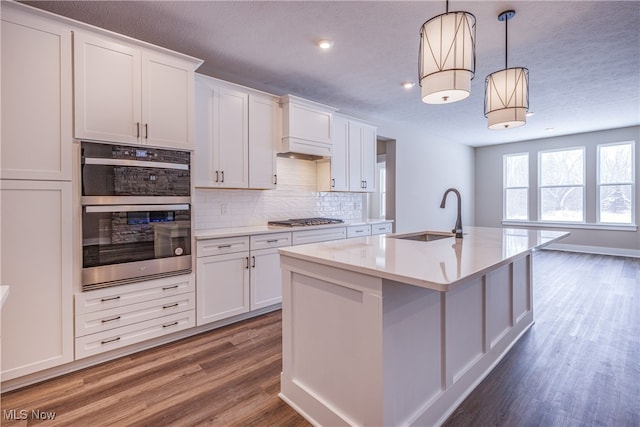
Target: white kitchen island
380, 331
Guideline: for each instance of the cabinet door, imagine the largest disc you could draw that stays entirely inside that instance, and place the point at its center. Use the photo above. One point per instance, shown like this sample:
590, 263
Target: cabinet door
222, 286
107, 90
266, 278
203, 159
36, 98
356, 182
37, 318
230, 137
340, 157
368, 158
167, 98
263, 137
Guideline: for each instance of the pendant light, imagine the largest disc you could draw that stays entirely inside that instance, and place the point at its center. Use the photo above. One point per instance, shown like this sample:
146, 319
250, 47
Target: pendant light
506, 99
447, 57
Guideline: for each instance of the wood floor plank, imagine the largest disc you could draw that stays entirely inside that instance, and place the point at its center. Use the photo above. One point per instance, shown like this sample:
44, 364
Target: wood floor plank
579, 365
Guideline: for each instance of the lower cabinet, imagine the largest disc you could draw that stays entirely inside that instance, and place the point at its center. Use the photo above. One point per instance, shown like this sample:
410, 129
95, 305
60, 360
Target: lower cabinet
236, 275
381, 228
118, 316
37, 264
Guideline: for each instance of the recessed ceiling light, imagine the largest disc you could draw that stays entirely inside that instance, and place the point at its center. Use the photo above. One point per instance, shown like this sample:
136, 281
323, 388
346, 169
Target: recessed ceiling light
325, 44
550, 129
408, 85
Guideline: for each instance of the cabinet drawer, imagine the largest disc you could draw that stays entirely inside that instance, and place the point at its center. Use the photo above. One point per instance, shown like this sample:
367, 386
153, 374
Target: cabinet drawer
226, 245
358, 231
319, 235
104, 320
131, 334
266, 241
118, 296
383, 228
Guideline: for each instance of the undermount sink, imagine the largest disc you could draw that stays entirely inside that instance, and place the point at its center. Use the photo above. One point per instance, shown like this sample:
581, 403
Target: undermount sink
424, 236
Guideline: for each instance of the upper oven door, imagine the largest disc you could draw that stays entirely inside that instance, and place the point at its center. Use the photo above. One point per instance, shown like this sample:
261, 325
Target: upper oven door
113, 174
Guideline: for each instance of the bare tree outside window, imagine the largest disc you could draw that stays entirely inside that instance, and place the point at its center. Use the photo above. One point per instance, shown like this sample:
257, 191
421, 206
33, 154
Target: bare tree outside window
615, 182
562, 185
516, 186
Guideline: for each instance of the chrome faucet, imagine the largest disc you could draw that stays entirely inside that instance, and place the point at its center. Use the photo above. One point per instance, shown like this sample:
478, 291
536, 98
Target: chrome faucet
458, 227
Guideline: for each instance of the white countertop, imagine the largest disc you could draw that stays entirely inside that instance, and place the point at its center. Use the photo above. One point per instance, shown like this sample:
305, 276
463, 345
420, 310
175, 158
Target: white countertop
265, 229
438, 265
4, 292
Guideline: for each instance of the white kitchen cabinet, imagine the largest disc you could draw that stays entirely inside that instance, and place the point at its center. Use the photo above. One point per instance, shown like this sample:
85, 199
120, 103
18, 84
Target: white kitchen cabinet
236, 132
333, 174
318, 235
362, 157
266, 276
36, 97
128, 94
118, 316
353, 163
222, 280
306, 127
37, 260
358, 231
381, 228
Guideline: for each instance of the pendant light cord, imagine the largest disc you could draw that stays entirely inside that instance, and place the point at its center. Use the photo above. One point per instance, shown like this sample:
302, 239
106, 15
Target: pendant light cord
506, 41
447, 6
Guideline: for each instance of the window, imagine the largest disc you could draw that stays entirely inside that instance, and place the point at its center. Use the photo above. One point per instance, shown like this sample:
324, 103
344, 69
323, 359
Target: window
516, 186
615, 183
561, 178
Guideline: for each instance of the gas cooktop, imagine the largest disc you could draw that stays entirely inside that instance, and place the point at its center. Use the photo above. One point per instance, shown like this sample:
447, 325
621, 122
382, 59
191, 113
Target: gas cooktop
302, 222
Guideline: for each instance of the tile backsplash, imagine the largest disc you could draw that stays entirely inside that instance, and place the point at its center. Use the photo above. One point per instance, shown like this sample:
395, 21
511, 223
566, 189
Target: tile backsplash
295, 197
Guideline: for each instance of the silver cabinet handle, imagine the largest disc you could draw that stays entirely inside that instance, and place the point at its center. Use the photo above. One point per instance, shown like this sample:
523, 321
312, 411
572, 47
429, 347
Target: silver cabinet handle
146, 131
333, 182
217, 179
247, 262
111, 340
138, 129
253, 262
170, 324
110, 299
113, 319
272, 241
170, 287
359, 231
275, 179
222, 176
224, 246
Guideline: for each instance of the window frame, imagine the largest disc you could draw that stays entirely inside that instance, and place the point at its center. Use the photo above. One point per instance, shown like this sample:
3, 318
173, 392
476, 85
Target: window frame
505, 188
582, 186
632, 183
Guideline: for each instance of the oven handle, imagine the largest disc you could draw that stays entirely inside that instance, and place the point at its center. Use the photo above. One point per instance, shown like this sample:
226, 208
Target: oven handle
135, 208
134, 163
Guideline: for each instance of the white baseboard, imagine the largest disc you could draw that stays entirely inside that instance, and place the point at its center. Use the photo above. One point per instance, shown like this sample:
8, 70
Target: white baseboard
599, 250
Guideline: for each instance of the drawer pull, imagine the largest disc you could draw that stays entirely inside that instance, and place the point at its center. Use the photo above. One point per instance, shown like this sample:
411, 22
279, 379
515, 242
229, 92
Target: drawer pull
170, 324
224, 246
166, 288
169, 306
359, 231
272, 241
110, 299
111, 340
113, 319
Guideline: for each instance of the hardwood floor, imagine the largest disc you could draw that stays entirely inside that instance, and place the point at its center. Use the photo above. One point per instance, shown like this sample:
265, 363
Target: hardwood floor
579, 365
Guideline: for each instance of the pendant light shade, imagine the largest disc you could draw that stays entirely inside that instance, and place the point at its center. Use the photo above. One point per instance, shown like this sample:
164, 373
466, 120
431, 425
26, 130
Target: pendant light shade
447, 58
506, 96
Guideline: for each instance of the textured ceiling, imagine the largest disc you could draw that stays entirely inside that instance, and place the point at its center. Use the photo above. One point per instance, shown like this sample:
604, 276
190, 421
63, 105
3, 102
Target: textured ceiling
583, 56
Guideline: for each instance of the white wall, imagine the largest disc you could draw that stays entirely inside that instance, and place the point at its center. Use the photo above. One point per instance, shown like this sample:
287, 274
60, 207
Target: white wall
425, 168
488, 185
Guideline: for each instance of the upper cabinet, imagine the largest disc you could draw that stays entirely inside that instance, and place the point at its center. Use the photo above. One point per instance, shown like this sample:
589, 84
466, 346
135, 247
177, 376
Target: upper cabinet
306, 127
36, 97
126, 93
236, 135
352, 166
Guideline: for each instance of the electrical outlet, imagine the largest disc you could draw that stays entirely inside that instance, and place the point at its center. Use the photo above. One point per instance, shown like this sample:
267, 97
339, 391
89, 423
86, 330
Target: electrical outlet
223, 209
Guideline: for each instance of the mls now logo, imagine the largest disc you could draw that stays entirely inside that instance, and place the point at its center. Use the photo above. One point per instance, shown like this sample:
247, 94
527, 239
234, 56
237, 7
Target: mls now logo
23, 414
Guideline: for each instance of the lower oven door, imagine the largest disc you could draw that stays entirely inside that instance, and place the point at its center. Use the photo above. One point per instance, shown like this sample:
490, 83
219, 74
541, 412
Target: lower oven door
126, 243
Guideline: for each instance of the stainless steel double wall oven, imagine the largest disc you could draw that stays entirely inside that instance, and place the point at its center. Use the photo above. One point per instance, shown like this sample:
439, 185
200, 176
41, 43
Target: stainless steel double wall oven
136, 214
